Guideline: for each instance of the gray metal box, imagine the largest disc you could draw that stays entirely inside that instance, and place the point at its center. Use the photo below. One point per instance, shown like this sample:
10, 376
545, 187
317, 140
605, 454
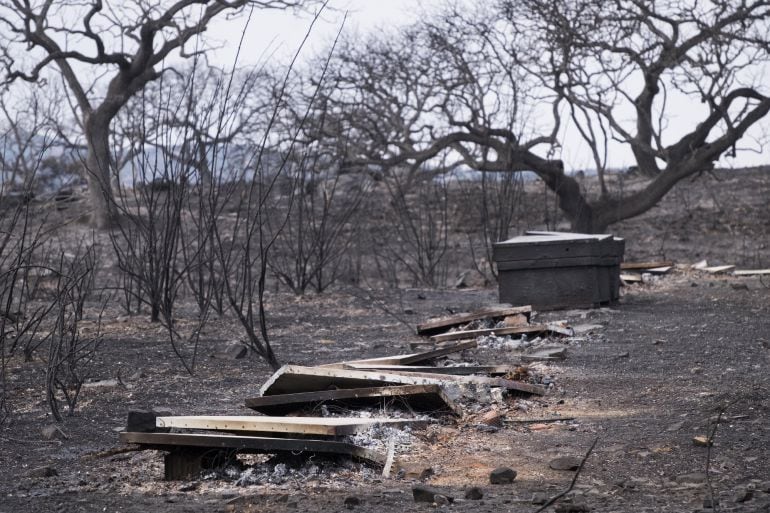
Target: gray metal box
552, 270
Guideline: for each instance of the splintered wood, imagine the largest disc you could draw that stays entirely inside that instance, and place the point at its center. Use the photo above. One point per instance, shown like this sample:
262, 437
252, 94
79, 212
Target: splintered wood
443, 323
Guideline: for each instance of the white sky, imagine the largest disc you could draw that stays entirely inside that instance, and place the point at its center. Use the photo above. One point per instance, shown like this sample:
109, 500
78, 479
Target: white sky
280, 33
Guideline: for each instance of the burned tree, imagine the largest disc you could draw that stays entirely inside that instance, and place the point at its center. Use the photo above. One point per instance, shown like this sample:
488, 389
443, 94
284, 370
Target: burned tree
106, 54
509, 88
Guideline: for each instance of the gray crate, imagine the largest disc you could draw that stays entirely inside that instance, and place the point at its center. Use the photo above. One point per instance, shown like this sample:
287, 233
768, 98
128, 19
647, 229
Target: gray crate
553, 270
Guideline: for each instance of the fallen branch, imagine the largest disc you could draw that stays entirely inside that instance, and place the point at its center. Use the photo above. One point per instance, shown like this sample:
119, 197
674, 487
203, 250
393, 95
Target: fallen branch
714, 504
552, 500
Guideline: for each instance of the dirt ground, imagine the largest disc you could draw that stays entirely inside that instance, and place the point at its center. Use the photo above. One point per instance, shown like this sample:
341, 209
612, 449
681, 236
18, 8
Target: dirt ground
656, 371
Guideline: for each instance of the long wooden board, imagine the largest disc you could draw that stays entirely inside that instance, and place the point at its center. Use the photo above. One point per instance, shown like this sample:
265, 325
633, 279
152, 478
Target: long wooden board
250, 444
458, 370
751, 272
409, 359
419, 398
293, 378
640, 266
433, 326
472, 334
318, 426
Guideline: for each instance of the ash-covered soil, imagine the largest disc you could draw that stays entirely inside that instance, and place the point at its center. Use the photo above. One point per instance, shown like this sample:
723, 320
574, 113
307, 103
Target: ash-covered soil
666, 361
655, 372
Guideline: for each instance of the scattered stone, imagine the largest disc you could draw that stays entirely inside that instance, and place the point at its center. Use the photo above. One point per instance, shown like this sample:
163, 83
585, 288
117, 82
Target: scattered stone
576, 507
675, 426
565, 463
739, 286
539, 498
624, 355
43, 472
232, 351
474, 494
692, 478
702, 441
696, 370
53, 432
441, 500
492, 418
351, 501
422, 493
743, 495
502, 475
189, 487
416, 472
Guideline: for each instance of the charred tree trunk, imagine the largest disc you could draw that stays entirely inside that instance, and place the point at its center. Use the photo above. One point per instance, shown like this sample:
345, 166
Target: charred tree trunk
97, 168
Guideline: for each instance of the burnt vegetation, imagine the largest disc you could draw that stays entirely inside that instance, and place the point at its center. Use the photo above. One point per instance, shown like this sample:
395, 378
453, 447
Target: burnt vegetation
188, 193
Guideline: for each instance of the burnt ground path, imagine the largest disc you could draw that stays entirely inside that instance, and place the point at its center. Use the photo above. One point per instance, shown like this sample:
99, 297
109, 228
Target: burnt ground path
668, 359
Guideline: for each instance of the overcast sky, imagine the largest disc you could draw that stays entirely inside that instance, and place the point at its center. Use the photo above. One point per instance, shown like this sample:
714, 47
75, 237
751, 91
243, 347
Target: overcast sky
280, 33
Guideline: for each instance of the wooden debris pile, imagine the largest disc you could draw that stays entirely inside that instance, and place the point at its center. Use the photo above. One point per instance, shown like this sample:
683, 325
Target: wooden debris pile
408, 381
638, 272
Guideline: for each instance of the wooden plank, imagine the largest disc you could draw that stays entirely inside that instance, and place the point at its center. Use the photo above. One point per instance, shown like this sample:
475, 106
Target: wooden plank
419, 398
717, 269
293, 378
472, 334
408, 359
250, 444
751, 272
659, 270
631, 278
458, 370
318, 426
640, 266
432, 326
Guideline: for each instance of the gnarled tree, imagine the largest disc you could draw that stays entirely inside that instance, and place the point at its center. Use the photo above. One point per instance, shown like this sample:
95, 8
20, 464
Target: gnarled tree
106, 52
507, 88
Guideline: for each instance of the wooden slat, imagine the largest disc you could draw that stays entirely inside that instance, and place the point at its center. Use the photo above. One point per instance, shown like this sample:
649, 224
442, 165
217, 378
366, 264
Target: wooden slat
719, 269
631, 278
420, 398
751, 272
458, 370
250, 444
432, 326
408, 359
472, 334
319, 426
638, 266
292, 378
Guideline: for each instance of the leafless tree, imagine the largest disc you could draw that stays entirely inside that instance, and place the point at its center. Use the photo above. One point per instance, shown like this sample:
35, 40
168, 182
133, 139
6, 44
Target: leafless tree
106, 53
497, 88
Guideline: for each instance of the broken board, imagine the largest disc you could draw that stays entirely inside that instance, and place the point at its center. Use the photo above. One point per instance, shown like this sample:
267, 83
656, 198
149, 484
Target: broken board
717, 269
419, 398
643, 266
294, 378
457, 370
437, 325
249, 444
317, 426
409, 359
516, 330
751, 272
631, 278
